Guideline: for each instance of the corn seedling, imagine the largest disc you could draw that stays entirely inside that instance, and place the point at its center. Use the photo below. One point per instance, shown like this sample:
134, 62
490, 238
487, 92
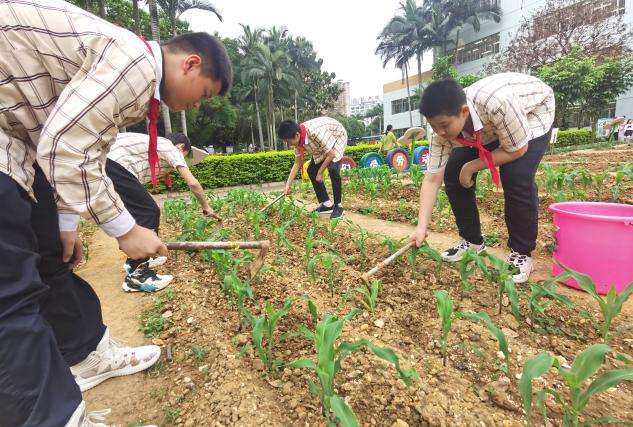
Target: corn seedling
467, 266
541, 297
361, 244
263, 332
370, 295
256, 219
610, 305
599, 180
444, 305
327, 364
495, 332
585, 366
331, 263
417, 175
392, 245
432, 254
310, 244
280, 234
237, 290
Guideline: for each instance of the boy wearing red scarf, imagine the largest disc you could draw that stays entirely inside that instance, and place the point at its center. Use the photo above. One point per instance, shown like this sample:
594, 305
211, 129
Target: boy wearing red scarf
326, 139
504, 121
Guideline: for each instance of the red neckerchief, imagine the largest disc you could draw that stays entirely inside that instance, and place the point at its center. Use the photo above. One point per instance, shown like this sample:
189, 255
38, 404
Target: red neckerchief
152, 130
302, 139
484, 155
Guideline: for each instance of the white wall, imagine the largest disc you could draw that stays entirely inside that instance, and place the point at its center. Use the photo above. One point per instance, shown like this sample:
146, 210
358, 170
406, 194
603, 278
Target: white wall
401, 120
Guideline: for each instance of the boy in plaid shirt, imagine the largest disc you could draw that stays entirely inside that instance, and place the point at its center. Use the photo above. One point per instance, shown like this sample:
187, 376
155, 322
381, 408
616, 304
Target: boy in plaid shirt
503, 121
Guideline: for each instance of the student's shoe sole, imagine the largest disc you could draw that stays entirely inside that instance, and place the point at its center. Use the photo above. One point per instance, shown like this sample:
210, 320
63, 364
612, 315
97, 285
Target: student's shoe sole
144, 288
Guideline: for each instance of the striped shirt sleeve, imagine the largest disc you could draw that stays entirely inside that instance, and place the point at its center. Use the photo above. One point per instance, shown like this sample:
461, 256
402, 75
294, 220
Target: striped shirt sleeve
84, 123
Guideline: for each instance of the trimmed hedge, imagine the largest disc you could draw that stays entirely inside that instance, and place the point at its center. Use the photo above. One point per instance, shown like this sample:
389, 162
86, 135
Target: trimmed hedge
567, 138
274, 166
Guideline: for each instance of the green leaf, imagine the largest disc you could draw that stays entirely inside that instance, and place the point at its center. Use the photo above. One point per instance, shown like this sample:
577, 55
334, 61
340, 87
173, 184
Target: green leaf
493, 329
343, 413
587, 363
533, 368
303, 363
605, 382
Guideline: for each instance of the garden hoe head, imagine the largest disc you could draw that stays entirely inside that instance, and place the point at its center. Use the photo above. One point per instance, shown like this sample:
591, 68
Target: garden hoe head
262, 245
281, 196
386, 262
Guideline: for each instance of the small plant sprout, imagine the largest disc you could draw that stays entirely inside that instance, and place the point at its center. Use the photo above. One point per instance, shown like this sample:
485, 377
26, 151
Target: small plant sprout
331, 263
280, 234
541, 297
310, 244
327, 364
263, 334
370, 295
495, 332
610, 306
361, 244
199, 351
444, 305
585, 366
237, 290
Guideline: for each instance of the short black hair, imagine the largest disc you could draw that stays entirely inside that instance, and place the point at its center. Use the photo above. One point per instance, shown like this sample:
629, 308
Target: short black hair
442, 97
216, 63
179, 138
288, 129
389, 127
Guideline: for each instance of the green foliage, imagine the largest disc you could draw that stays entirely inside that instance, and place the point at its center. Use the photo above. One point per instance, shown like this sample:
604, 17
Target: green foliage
444, 305
610, 306
370, 295
263, 333
585, 366
330, 354
443, 68
330, 263
568, 138
495, 332
199, 352
540, 298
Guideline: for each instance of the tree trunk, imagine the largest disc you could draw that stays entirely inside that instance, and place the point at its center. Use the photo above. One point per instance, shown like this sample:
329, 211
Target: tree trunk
406, 76
419, 57
102, 10
153, 13
259, 119
136, 17
271, 115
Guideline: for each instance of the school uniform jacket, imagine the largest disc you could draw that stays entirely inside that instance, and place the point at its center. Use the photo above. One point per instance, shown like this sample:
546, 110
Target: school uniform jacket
68, 81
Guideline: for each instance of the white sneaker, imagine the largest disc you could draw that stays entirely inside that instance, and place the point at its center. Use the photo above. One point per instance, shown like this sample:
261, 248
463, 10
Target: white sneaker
456, 253
79, 418
152, 263
523, 263
112, 359
143, 279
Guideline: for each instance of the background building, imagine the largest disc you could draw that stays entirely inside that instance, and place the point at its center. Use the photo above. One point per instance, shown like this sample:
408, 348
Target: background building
360, 106
396, 107
342, 106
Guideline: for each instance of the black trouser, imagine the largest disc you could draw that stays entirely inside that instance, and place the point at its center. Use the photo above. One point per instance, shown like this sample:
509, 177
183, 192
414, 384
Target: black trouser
49, 317
136, 199
519, 191
319, 187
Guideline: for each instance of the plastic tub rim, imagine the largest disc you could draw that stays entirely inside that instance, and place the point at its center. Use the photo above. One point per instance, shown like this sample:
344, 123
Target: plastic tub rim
559, 208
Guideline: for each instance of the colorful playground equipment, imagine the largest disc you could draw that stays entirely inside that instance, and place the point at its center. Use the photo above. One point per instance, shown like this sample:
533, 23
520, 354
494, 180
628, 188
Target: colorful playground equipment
398, 158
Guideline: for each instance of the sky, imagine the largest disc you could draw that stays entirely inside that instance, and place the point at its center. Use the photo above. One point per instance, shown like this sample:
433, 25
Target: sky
343, 33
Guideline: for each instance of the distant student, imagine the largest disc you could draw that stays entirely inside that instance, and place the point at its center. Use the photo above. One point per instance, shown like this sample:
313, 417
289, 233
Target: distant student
388, 141
128, 168
326, 139
502, 120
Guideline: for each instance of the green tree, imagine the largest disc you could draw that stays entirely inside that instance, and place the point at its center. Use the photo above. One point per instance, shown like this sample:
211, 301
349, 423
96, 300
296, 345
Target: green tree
355, 128
214, 122
175, 8
443, 68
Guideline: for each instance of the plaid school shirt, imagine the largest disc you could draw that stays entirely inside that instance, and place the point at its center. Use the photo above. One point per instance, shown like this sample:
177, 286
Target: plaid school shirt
68, 81
130, 151
511, 108
322, 135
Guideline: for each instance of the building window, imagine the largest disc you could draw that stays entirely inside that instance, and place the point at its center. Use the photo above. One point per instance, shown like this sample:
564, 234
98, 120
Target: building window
476, 50
401, 106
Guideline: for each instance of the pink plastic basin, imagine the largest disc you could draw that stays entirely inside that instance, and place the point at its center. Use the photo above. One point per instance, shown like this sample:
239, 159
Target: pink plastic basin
595, 239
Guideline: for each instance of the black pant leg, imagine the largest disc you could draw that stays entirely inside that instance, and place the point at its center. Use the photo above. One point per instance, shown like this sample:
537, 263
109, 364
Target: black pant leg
134, 195
335, 177
71, 306
36, 386
521, 196
319, 187
136, 200
463, 201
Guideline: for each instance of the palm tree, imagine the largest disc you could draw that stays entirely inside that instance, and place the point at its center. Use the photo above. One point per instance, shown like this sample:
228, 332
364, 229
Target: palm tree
153, 14
247, 43
136, 18
472, 13
175, 8
395, 44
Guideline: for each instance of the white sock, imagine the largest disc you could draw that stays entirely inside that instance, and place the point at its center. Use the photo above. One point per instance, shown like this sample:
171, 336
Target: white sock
328, 203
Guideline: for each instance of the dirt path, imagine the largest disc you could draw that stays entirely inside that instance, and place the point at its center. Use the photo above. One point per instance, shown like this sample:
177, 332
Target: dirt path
126, 396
